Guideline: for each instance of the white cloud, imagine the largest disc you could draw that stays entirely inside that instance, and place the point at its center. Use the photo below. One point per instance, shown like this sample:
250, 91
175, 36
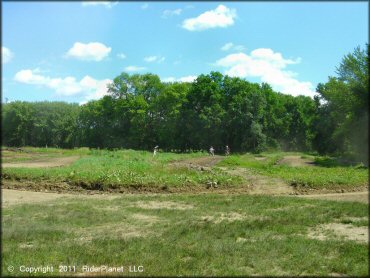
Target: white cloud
144, 6
239, 47
121, 56
94, 51
168, 79
169, 13
269, 66
107, 4
227, 46
88, 87
99, 91
6, 55
28, 77
189, 78
231, 46
151, 59
222, 17
134, 68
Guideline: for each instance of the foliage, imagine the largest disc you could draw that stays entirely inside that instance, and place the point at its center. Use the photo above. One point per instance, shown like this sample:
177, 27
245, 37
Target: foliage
40, 124
141, 112
343, 103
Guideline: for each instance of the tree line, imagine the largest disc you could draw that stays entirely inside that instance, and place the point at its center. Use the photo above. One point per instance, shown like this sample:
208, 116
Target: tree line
141, 112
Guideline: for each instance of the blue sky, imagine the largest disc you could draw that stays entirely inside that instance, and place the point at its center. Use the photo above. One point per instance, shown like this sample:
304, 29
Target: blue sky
70, 51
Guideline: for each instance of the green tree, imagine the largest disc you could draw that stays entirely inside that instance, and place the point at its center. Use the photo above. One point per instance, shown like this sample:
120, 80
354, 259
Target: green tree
345, 99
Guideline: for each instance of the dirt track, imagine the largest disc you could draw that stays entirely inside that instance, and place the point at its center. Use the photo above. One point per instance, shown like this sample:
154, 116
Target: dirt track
296, 161
14, 197
261, 184
44, 163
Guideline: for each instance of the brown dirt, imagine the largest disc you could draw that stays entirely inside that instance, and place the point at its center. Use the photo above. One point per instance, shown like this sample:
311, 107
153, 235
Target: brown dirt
65, 187
260, 158
44, 186
339, 230
15, 197
261, 184
296, 161
362, 197
43, 163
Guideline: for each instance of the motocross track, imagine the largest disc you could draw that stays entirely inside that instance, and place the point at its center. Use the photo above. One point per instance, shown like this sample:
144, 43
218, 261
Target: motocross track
258, 184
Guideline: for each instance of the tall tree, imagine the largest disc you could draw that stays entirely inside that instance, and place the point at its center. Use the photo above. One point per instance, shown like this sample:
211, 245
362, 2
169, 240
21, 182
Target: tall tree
345, 99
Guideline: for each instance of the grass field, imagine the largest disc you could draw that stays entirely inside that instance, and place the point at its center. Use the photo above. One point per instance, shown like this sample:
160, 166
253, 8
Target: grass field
202, 233
186, 234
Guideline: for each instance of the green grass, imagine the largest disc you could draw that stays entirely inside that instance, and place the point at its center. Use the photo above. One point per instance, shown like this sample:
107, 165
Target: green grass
326, 161
319, 176
268, 236
102, 169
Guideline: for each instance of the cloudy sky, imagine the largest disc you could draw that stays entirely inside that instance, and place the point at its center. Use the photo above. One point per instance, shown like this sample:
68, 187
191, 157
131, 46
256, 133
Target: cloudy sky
70, 51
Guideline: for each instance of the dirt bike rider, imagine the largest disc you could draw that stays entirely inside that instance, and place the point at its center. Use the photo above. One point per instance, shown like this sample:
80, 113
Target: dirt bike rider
155, 151
227, 150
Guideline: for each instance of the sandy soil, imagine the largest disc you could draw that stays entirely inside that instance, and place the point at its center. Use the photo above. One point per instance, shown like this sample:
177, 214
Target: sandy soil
335, 230
44, 163
296, 161
14, 197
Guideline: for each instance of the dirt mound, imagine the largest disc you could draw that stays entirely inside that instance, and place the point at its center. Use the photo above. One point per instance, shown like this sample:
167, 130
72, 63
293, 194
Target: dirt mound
296, 161
44, 163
